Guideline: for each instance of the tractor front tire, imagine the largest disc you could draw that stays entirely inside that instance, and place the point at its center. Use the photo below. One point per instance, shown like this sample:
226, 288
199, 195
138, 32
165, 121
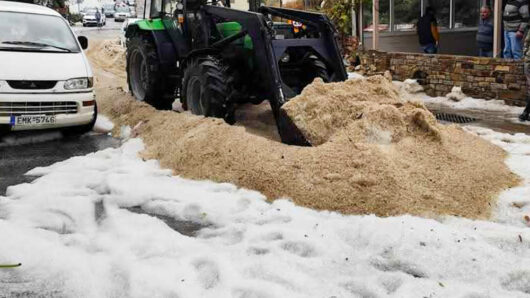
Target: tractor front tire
206, 89
145, 79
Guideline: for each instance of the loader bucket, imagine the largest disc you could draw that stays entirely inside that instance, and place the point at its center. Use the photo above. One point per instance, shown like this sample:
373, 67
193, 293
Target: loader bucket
289, 132
283, 63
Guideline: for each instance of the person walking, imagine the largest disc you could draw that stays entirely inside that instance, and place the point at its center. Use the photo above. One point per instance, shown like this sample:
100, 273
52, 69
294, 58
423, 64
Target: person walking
98, 18
427, 29
485, 33
525, 116
515, 20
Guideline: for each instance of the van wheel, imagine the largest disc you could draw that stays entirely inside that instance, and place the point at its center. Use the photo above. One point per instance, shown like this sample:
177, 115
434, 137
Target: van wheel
82, 129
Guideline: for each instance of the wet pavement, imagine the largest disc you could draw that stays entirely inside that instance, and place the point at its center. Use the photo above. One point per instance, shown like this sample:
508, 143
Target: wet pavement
23, 151
188, 228
497, 120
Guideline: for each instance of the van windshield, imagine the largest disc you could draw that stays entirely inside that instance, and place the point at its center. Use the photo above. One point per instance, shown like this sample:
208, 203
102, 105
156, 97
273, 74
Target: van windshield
35, 33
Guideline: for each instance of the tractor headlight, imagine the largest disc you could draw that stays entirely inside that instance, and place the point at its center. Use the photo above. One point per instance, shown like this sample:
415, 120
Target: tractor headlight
78, 83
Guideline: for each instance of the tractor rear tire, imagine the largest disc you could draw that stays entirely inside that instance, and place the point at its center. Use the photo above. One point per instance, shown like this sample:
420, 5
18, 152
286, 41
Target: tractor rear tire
145, 79
206, 89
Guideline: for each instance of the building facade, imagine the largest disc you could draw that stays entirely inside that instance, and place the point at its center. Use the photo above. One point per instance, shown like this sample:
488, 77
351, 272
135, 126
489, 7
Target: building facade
457, 23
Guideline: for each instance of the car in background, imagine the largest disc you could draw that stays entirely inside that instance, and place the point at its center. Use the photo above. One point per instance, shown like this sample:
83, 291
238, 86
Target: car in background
123, 39
45, 78
109, 10
89, 19
122, 13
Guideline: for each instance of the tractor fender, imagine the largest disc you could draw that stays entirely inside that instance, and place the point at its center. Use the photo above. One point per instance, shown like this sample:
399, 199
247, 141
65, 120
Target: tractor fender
200, 52
162, 42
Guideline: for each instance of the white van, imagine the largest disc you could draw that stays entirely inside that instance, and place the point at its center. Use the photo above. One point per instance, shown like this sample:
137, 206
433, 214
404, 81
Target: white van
45, 78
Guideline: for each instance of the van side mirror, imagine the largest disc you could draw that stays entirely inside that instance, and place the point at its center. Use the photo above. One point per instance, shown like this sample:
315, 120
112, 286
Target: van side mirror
83, 41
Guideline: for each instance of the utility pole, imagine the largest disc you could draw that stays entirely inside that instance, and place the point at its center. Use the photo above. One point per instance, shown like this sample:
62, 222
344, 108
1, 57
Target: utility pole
497, 14
353, 19
375, 24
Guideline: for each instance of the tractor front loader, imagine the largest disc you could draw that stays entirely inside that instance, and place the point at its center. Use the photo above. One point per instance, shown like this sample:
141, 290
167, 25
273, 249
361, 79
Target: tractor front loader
214, 57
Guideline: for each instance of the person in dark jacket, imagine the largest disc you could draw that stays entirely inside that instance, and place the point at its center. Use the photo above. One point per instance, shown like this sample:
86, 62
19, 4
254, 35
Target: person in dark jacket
515, 19
427, 29
485, 33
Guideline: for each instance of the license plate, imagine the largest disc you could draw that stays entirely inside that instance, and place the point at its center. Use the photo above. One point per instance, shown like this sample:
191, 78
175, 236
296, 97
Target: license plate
29, 120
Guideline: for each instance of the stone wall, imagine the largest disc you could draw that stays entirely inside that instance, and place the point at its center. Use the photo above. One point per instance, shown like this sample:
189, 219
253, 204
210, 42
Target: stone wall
487, 78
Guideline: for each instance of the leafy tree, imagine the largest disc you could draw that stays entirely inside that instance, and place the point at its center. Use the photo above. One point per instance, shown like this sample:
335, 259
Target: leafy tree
339, 11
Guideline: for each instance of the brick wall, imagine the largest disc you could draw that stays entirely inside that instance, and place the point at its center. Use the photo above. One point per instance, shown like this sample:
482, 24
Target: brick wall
487, 78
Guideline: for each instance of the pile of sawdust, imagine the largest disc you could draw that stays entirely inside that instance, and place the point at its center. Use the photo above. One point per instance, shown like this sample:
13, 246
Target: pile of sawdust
367, 110
392, 159
108, 60
110, 53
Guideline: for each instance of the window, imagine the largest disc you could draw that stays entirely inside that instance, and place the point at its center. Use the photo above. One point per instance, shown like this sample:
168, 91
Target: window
403, 15
169, 7
467, 13
406, 14
156, 7
384, 15
442, 10
34, 32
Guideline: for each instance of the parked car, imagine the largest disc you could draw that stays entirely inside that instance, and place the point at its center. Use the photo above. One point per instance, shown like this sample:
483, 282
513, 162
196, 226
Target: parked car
123, 39
122, 13
45, 78
109, 10
89, 19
